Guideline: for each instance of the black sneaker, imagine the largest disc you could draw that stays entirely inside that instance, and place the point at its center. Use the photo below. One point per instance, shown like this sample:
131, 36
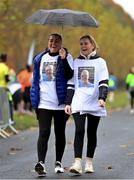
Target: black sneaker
40, 169
58, 167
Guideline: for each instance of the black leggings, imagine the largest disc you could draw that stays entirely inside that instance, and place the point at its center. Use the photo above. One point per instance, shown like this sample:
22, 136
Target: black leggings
45, 119
132, 99
92, 124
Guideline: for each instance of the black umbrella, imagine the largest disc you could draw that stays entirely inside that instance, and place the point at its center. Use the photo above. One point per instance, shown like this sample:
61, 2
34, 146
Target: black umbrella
63, 17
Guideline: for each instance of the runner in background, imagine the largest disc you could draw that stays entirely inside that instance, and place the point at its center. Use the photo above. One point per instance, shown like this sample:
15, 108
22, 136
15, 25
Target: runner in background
112, 87
4, 79
130, 88
24, 77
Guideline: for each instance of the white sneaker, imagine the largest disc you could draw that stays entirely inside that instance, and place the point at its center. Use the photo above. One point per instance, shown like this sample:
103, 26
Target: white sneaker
11, 122
89, 168
76, 167
132, 111
58, 167
40, 168
89, 165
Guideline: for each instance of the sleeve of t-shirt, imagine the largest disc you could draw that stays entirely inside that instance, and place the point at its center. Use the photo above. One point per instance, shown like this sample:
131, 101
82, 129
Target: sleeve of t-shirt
70, 91
103, 72
70, 60
6, 70
128, 78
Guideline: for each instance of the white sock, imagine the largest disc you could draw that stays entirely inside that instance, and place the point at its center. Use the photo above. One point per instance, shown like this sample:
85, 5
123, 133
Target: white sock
89, 160
78, 160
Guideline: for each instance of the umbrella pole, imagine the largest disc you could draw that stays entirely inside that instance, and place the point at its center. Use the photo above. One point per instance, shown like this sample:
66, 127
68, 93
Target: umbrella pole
62, 31
62, 35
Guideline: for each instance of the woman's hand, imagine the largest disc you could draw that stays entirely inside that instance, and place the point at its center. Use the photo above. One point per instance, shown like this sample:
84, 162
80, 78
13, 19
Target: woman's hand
67, 109
101, 103
62, 53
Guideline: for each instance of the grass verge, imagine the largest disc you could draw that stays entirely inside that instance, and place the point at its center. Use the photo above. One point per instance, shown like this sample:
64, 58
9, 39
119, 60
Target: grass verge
24, 122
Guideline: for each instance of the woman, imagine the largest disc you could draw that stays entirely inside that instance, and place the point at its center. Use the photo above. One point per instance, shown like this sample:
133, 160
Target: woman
87, 102
48, 99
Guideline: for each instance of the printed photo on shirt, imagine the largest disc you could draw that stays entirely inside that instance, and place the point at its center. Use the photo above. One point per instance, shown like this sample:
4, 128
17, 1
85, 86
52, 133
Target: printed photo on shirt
48, 71
86, 77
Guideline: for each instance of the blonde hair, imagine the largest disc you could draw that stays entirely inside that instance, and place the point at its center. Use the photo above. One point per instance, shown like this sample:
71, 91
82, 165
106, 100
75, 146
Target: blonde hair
92, 41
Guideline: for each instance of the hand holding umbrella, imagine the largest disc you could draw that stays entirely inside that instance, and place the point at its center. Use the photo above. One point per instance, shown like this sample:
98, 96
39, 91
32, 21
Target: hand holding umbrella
62, 53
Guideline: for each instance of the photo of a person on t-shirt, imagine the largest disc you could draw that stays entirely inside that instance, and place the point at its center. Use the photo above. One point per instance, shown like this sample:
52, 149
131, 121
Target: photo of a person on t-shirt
49, 73
84, 79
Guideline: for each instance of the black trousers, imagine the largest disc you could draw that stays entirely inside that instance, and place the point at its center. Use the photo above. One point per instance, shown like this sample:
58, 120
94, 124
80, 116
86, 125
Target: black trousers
92, 124
132, 99
26, 98
17, 97
45, 118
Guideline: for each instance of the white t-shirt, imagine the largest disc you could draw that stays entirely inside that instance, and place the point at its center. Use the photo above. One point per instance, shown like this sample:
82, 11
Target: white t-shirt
48, 95
89, 73
14, 87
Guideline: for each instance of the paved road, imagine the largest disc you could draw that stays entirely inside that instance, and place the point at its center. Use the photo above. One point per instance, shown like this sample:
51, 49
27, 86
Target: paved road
114, 157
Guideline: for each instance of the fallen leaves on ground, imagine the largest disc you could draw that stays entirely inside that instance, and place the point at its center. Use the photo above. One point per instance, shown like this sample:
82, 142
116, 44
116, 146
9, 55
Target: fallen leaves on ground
109, 167
123, 145
13, 150
130, 154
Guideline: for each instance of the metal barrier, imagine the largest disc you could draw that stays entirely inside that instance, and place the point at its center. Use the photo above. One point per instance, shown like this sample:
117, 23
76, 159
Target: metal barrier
5, 118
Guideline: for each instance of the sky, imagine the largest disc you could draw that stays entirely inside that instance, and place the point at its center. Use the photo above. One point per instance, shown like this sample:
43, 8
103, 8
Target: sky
127, 5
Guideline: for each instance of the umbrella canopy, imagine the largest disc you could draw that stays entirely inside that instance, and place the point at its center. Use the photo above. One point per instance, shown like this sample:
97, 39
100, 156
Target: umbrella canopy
63, 17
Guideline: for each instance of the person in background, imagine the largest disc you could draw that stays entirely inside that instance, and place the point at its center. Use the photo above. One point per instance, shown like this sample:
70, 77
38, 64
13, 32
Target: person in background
48, 99
24, 77
130, 88
4, 79
18, 104
15, 88
112, 83
12, 76
87, 102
